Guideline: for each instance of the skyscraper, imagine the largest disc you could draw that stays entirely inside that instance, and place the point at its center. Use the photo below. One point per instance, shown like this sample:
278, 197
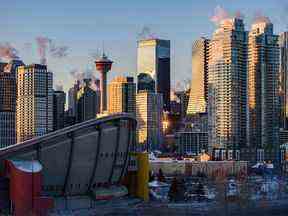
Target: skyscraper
149, 114
153, 58
8, 102
59, 100
88, 100
263, 100
283, 88
199, 91
227, 77
72, 99
34, 101
122, 95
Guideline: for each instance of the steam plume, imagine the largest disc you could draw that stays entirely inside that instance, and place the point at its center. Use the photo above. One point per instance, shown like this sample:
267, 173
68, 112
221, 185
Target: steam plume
259, 18
146, 33
239, 15
58, 51
42, 43
59, 86
80, 75
46, 45
8, 52
219, 15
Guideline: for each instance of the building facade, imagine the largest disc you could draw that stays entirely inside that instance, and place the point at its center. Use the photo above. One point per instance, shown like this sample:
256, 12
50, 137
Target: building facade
122, 95
199, 91
88, 101
72, 99
283, 87
183, 99
227, 77
34, 101
59, 100
145, 82
149, 115
263, 91
192, 143
153, 58
8, 102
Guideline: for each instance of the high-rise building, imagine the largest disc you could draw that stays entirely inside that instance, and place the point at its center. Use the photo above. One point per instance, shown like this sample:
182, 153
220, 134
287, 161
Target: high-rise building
153, 58
183, 99
199, 91
8, 102
263, 95
88, 100
149, 114
227, 77
34, 101
122, 95
72, 99
283, 87
59, 100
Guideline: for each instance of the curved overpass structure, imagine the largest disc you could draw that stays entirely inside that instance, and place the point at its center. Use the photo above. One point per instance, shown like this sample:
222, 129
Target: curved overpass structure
81, 157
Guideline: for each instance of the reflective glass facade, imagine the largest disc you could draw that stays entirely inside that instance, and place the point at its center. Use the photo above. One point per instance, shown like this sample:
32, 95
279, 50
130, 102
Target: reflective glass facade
283, 88
153, 58
198, 92
263, 90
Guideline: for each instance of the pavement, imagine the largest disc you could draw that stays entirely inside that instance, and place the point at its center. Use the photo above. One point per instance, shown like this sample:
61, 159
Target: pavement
135, 207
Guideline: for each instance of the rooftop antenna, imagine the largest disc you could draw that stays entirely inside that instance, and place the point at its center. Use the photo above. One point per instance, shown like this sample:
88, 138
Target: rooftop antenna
103, 48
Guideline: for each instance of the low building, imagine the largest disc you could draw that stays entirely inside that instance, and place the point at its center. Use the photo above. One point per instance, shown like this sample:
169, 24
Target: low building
283, 136
149, 114
192, 143
122, 95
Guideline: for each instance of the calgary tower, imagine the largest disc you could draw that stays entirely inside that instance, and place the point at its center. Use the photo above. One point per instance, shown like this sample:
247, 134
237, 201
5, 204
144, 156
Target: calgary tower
103, 65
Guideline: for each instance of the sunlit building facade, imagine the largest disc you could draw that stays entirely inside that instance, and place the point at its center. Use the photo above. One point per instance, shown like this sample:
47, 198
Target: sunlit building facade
227, 77
34, 101
8, 102
199, 90
122, 95
153, 58
283, 87
149, 115
263, 91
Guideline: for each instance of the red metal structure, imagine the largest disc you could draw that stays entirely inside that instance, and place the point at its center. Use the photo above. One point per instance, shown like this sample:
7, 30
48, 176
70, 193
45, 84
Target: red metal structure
25, 188
103, 65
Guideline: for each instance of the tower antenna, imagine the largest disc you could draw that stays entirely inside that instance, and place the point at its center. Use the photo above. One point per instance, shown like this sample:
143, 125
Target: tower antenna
103, 48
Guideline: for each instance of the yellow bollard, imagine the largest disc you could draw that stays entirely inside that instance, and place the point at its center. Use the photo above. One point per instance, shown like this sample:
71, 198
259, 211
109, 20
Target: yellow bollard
137, 180
142, 175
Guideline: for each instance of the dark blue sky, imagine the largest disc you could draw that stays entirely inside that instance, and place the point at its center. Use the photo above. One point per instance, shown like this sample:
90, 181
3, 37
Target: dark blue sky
84, 25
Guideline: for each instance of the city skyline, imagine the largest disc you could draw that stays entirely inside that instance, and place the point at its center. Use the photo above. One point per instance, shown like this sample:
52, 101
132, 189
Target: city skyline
144, 107
95, 27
